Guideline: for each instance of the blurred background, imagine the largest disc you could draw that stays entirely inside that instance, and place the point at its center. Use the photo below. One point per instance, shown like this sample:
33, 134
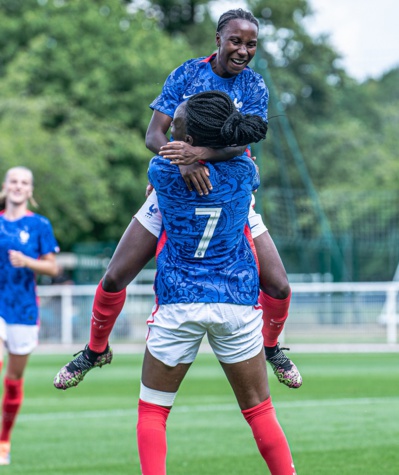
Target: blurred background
76, 82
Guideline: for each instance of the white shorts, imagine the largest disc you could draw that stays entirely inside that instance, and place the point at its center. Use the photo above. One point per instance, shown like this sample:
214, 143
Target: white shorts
150, 217
175, 331
19, 339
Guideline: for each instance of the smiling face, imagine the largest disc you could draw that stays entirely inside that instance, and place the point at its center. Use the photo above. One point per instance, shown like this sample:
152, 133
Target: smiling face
18, 186
237, 43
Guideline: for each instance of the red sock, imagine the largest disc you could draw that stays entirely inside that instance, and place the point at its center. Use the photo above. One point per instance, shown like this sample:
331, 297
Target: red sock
151, 438
12, 400
275, 313
270, 438
106, 308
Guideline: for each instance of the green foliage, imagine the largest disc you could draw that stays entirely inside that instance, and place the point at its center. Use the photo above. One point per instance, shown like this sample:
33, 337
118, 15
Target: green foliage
99, 57
77, 82
77, 79
345, 133
84, 181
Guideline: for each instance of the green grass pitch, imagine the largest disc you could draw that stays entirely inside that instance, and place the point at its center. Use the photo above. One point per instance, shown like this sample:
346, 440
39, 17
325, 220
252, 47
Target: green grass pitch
344, 420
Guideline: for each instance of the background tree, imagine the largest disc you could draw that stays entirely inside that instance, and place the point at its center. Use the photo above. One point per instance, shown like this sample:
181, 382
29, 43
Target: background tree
76, 81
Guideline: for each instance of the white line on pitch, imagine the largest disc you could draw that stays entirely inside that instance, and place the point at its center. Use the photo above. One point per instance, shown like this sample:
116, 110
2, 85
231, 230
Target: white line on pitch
206, 408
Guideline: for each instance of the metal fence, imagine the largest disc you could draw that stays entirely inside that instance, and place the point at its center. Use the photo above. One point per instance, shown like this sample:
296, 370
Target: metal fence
323, 312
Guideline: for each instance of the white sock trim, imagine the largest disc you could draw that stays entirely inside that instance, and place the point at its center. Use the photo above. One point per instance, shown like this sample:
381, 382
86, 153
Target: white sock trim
161, 398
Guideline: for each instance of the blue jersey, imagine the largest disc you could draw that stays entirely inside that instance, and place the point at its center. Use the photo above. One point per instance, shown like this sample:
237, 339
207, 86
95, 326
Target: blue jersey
247, 89
33, 236
204, 252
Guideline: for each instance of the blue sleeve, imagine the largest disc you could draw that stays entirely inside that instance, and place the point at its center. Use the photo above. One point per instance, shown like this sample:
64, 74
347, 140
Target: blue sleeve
257, 99
172, 91
47, 243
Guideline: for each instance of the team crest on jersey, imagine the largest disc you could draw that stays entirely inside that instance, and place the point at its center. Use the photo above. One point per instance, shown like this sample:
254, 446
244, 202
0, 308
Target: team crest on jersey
24, 237
238, 105
151, 211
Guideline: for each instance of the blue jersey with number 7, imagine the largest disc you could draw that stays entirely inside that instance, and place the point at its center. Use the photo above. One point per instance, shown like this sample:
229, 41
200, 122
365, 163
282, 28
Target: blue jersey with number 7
205, 250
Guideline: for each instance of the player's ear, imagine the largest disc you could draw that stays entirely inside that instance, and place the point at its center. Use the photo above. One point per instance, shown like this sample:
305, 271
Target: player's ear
188, 139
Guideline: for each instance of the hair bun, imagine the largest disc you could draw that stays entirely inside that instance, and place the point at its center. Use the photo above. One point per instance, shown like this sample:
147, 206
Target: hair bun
231, 128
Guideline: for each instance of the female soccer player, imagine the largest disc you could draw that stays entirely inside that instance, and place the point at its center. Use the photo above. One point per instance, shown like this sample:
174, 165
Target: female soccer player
27, 247
226, 70
207, 283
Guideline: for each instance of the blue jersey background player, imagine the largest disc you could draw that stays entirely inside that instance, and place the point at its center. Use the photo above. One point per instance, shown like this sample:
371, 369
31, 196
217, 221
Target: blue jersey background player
27, 247
32, 235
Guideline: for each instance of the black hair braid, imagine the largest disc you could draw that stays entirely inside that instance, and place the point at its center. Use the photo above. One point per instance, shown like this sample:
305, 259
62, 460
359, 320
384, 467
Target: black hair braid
213, 121
206, 114
243, 129
238, 14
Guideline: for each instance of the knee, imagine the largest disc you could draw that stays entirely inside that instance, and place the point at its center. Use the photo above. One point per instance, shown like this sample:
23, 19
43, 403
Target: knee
112, 282
282, 291
278, 288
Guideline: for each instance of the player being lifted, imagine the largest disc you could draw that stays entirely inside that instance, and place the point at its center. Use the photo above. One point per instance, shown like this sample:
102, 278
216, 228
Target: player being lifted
226, 70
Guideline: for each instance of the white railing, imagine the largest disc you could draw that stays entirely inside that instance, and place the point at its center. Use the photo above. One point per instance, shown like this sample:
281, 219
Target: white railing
323, 312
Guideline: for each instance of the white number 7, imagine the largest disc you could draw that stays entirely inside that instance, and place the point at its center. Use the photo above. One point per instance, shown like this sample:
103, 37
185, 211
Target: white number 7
214, 214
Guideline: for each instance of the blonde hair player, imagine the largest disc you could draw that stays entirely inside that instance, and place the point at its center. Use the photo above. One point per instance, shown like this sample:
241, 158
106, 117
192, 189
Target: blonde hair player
27, 248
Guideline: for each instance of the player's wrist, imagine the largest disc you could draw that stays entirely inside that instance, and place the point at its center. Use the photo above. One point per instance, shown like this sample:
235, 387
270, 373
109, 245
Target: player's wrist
203, 154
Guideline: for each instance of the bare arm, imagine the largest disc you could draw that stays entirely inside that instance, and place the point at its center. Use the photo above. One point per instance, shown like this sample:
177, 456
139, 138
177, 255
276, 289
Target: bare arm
47, 263
182, 153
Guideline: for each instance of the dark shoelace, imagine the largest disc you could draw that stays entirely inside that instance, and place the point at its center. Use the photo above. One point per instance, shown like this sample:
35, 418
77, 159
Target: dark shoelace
80, 363
279, 359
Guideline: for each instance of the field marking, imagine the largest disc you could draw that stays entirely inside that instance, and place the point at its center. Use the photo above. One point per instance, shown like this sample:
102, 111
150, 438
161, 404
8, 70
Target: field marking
51, 416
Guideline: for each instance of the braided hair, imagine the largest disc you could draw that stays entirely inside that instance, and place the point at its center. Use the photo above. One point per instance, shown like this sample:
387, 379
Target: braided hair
213, 121
238, 14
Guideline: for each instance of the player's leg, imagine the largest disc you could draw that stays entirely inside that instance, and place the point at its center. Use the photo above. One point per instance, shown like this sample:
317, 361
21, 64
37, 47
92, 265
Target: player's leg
3, 337
21, 341
248, 380
159, 385
135, 249
275, 297
13, 394
174, 337
236, 339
